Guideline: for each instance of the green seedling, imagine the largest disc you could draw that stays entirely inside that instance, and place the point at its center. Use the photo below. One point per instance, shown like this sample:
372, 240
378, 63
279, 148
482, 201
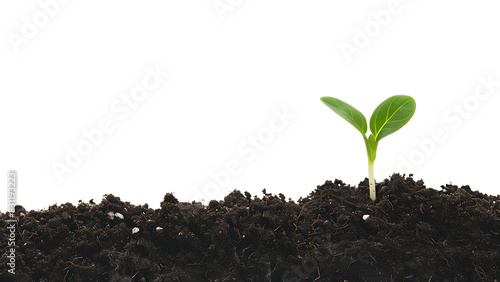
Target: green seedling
388, 117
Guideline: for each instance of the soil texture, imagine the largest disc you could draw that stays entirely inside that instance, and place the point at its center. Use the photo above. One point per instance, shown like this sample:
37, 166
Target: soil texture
336, 233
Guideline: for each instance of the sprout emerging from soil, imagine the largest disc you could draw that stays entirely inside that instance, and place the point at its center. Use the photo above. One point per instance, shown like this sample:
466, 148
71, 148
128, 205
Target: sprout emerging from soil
388, 117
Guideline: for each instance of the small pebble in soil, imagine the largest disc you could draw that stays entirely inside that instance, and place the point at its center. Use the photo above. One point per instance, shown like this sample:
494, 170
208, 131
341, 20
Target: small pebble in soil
135, 230
366, 216
112, 215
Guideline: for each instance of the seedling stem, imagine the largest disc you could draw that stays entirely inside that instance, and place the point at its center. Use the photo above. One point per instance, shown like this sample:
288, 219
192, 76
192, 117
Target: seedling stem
371, 180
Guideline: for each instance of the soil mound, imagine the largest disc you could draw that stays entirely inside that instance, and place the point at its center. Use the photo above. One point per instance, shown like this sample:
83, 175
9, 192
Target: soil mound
410, 233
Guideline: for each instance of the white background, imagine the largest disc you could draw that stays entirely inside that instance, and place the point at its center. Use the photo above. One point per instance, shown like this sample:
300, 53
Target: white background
229, 71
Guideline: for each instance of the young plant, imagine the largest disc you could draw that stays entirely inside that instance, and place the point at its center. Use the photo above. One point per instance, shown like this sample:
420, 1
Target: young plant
388, 117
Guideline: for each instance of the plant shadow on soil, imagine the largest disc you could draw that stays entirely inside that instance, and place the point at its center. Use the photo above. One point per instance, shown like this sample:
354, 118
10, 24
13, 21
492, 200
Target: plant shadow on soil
410, 233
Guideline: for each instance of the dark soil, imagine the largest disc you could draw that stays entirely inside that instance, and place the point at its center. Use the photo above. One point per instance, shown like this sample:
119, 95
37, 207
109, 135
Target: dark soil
410, 233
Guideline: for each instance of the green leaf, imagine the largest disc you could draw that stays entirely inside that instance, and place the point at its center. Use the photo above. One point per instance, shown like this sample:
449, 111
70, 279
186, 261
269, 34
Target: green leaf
348, 112
391, 115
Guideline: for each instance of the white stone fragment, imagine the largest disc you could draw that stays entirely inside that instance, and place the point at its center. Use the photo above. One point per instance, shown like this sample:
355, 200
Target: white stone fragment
119, 215
135, 230
366, 216
159, 228
111, 215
